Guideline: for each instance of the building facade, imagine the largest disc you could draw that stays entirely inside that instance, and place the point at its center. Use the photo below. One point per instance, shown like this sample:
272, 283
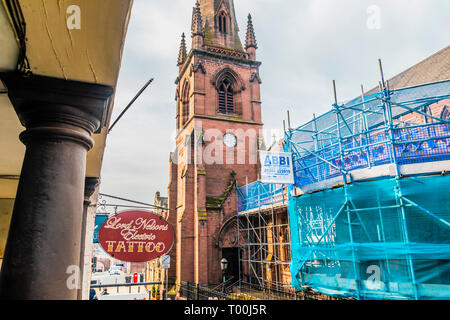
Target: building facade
57, 87
154, 269
218, 134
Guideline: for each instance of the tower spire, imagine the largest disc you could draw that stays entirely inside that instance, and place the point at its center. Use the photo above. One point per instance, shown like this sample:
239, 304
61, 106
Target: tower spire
250, 40
183, 52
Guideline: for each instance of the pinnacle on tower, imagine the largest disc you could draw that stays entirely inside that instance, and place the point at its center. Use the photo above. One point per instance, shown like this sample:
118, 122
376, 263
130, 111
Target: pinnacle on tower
197, 28
250, 40
183, 52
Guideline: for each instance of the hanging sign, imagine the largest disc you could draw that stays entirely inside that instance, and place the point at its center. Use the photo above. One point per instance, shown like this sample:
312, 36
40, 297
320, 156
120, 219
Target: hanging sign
276, 167
136, 236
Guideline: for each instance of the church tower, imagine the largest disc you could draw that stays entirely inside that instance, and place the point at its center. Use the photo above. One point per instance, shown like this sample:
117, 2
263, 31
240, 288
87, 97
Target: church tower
218, 123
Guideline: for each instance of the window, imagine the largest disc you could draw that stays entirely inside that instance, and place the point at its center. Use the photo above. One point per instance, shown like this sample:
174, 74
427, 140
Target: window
185, 103
229, 86
226, 103
222, 22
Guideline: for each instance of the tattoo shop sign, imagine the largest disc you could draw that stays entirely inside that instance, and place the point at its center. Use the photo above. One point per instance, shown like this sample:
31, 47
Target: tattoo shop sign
276, 167
136, 236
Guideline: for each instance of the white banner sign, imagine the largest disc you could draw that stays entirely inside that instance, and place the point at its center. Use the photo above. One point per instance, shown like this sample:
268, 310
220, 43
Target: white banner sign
276, 167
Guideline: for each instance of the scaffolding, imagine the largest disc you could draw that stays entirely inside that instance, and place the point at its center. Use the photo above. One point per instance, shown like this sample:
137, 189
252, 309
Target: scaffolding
264, 238
372, 220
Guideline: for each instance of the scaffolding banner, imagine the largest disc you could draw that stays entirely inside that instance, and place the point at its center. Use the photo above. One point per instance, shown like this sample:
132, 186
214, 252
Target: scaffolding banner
276, 167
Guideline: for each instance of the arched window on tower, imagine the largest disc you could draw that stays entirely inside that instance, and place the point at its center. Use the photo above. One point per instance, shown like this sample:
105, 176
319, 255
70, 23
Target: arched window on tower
222, 19
226, 98
185, 102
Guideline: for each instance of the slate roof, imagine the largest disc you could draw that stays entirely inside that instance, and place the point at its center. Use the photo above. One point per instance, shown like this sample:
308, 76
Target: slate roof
432, 69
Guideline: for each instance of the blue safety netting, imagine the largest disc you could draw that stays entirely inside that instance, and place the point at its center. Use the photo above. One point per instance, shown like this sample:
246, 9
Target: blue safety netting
256, 195
370, 242
356, 135
383, 238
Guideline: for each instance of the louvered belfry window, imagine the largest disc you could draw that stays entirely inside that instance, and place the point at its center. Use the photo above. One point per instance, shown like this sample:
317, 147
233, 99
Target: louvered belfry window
226, 104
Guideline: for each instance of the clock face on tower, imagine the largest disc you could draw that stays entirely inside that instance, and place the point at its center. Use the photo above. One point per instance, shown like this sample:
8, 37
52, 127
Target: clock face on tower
229, 140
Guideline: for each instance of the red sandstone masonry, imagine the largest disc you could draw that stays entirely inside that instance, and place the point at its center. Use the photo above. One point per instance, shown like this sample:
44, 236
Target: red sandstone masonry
197, 252
172, 202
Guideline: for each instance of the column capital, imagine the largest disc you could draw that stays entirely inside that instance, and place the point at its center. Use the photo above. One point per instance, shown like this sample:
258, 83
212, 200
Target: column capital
90, 184
52, 108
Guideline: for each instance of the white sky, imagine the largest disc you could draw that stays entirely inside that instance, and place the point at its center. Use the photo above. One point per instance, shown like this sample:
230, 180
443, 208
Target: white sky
303, 46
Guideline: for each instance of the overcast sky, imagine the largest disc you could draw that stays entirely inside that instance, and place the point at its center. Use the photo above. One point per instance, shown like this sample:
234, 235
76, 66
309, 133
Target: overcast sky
303, 46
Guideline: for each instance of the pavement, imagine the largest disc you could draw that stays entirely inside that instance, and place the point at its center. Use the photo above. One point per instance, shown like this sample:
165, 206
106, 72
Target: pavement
117, 293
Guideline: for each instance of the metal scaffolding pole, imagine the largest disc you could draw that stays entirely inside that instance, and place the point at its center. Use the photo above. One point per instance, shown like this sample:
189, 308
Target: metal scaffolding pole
263, 246
364, 133
398, 192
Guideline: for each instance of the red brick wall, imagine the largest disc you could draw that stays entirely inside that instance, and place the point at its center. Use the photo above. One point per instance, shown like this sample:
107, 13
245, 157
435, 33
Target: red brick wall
436, 110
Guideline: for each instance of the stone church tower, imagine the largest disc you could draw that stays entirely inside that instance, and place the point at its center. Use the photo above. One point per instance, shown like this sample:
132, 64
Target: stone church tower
218, 134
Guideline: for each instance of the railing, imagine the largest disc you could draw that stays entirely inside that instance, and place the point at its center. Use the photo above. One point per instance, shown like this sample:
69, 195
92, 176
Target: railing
255, 291
241, 290
225, 286
139, 285
404, 126
419, 144
270, 292
256, 195
193, 291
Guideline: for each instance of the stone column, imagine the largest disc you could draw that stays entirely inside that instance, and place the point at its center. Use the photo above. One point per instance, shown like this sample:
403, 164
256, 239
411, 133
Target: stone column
90, 185
201, 227
44, 240
172, 218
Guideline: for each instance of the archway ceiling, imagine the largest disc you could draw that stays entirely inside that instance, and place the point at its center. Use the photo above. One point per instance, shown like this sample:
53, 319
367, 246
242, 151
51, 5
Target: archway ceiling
92, 53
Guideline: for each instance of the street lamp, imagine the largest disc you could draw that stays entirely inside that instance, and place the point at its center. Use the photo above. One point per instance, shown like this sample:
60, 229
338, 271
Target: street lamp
223, 266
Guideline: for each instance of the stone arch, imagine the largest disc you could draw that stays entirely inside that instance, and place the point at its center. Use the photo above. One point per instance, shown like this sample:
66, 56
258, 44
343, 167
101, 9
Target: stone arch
227, 242
232, 76
237, 86
227, 236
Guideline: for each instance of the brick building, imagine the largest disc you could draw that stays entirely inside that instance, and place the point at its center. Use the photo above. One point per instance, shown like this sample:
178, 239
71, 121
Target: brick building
218, 134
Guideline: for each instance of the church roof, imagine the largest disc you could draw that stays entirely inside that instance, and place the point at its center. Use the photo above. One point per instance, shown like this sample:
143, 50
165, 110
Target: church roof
432, 69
